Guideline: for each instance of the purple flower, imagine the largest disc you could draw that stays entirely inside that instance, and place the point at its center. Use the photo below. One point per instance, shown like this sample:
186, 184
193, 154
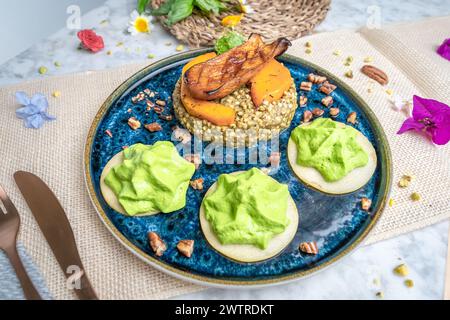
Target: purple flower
431, 117
34, 110
444, 49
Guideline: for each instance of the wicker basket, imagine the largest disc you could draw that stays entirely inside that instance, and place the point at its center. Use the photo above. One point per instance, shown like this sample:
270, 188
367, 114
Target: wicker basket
271, 19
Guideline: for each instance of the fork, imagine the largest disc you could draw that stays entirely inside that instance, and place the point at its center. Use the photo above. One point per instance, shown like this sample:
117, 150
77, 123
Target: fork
9, 229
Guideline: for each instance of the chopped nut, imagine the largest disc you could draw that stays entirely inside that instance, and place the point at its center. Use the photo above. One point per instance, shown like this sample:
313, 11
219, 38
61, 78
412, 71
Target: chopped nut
306, 86
415, 196
109, 52
375, 74
274, 159
194, 158
186, 247
391, 202
334, 112
179, 48
56, 94
409, 283
405, 180
337, 52
309, 247
157, 244
137, 98
365, 204
314, 78
303, 101
197, 184
307, 116
327, 101
57, 64
308, 51
327, 87
351, 118
153, 127
182, 135
368, 59
401, 270
349, 74
166, 117
349, 59
380, 295
308, 44
161, 103
389, 92
109, 133
147, 91
134, 123
129, 110
317, 112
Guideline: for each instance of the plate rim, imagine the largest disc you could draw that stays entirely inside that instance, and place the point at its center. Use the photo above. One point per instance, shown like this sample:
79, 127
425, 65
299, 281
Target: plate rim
386, 184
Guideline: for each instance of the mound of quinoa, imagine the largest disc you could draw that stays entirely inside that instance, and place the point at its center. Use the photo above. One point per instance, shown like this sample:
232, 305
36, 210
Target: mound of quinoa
251, 123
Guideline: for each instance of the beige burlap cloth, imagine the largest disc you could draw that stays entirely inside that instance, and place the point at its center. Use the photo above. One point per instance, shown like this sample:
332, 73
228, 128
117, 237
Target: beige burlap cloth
55, 152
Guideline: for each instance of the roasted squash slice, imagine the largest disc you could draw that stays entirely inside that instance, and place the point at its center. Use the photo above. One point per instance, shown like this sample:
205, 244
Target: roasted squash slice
270, 83
216, 113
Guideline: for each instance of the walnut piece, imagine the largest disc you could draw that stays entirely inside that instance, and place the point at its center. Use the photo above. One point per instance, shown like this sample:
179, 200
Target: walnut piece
157, 244
186, 247
309, 247
375, 74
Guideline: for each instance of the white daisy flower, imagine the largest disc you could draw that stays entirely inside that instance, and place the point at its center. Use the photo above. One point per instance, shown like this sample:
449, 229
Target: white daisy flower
138, 23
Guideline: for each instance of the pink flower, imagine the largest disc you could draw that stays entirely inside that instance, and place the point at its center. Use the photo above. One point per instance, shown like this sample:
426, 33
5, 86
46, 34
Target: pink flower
444, 49
430, 117
90, 40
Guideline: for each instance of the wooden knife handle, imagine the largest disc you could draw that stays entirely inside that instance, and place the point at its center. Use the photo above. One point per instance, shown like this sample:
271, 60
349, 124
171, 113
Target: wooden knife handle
29, 290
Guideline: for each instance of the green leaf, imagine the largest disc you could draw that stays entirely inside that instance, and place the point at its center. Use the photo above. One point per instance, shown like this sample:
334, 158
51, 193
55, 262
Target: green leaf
229, 41
181, 9
163, 9
142, 5
207, 6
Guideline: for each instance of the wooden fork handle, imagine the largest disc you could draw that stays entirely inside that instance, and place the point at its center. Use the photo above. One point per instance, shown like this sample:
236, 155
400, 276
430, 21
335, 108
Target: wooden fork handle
29, 290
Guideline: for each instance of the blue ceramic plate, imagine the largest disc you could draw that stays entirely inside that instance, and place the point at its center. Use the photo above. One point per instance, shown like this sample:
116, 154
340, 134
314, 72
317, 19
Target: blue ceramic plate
337, 223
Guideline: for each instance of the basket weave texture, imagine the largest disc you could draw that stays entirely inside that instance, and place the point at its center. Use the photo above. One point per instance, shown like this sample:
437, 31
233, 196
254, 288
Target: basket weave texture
272, 19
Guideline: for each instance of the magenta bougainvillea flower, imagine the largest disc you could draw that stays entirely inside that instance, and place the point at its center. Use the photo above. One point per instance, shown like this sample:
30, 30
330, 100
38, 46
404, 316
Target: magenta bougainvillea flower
430, 117
444, 49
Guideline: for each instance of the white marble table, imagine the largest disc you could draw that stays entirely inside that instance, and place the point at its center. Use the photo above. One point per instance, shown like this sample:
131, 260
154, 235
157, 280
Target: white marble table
353, 278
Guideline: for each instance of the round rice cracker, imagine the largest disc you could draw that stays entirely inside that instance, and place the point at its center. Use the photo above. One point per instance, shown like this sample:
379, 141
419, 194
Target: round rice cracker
109, 196
353, 181
250, 253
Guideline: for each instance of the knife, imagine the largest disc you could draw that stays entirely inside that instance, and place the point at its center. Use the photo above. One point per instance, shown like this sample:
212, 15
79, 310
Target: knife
55, 226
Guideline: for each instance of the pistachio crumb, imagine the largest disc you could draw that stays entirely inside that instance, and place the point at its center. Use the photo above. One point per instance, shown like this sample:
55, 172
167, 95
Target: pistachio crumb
119, 44
349, 74
56, 94
337, 52
109, 52
409, 283
57, 64
380, 295
179, 48
401, 270
415, 196
391, 202
151, 56
43, 70
308, 51
405, 180
376, 281
390, 92
308, 44
368, 59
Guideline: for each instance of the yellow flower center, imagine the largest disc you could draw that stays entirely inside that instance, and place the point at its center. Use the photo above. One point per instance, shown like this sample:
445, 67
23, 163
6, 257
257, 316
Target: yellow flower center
141, 25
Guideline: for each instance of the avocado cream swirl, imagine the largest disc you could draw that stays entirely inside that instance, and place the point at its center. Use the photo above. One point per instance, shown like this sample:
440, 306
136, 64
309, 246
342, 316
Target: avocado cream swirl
330, 148
247, 208
151, 178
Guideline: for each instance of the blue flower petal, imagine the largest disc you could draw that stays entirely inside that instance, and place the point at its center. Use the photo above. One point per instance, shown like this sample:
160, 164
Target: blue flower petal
35, 121
22, 98
27, 111
40, 101
47, 117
